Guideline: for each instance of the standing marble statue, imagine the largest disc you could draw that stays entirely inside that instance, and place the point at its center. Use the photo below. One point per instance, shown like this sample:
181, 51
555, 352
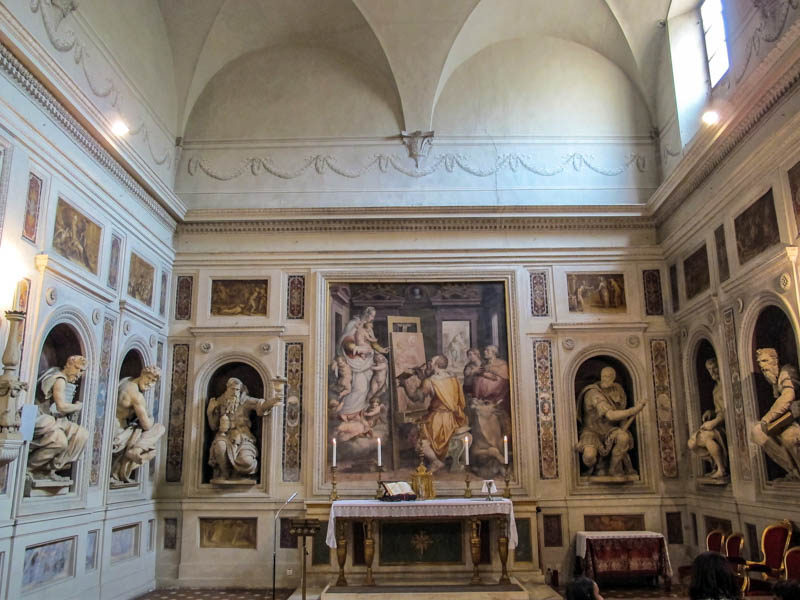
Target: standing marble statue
604, 420
136, 433
708, 442
233, 454
782, 443
57, 440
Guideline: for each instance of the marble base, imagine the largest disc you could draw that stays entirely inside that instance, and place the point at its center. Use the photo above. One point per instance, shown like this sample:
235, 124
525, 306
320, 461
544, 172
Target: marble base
612, 478
233, 482
120, 485
46, 487
432, 591
713, 480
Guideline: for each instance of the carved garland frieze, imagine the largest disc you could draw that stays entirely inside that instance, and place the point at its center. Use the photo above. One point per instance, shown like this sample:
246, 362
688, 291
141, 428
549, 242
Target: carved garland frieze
102, 398
293, 411
539, 303
662, 389
774, 16
545, 408
177, 412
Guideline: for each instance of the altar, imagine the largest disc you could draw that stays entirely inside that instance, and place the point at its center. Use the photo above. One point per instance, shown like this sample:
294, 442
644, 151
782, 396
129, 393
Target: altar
370, 512
623, 554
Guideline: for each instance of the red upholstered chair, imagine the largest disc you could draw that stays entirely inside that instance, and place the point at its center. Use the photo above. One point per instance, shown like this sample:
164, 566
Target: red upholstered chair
791, 563
715, 540
774, 543
733, 550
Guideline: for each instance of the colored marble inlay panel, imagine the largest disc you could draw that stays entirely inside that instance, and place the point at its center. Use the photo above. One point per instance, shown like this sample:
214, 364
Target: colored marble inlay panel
696, 275
320, 553
162, 301
664, 419
113, 263
613, 522
524, 550
31, 223
170, 534
228, 533
673, 288
553, 536
756, 229
102, 397
90, 563
722, 254
157, 400
674, 527
403, 543
293, 411
177, 412
45, 563
739, 424
712, 523
539, 304
653, 296
183, 298
545, 408
124, 542
752, 541
295, 297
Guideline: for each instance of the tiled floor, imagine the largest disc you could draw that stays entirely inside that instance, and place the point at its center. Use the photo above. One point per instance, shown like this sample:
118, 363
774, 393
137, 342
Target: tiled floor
214, 594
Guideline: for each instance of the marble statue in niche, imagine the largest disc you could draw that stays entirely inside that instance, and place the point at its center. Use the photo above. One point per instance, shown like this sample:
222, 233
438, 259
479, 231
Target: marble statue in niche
233, 455
604, 422
708, 442
136, 433
58, 440
777, 432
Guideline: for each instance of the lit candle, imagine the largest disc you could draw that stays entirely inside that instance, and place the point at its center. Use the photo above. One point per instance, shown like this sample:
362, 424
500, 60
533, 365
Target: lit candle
466, 450
505, 448
334, 452
380, 462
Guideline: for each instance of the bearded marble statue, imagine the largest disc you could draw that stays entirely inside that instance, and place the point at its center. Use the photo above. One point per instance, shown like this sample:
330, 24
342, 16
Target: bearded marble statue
136, 433
708, 442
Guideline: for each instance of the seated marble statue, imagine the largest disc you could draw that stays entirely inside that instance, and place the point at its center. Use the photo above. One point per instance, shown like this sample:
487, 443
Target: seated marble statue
57, 440
708, 442
233, 454
136, 433
782, 443
604, 419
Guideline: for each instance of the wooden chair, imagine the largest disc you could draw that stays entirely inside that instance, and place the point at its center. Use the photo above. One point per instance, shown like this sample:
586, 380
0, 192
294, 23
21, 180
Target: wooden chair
774, 545
715, 541
732, 549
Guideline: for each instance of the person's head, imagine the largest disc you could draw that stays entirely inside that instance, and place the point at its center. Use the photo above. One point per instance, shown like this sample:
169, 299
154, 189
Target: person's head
234, 387
788, 589
368, 315
607, 376
439, 362
712, 578
583, 588
490, 352
379, 358
149, 375
474, 355
767, 359
75, 367
713, 368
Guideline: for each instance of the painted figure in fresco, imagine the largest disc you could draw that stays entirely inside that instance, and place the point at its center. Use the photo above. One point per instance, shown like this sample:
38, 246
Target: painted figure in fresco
604, 419
380, 370
136, 433
580, 295
491, 383
57, 441
617, 294
472, 369
708, 442
604, 292
233, 454
784, 446
445, 411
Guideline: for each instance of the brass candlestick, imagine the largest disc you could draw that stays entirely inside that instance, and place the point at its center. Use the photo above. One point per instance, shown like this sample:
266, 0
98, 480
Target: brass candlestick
334, 495
507, 479
379, 491
467, 490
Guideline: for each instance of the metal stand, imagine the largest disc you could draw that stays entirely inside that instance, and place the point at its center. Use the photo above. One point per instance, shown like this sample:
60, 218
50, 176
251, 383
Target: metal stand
379, 491
467, 490
507, 479
275, 541
306, 528
334, 495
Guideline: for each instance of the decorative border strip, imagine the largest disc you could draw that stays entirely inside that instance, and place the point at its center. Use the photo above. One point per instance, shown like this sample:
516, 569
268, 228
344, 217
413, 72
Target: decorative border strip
28, 84
740, 429
653, 294
296, 297
545, 408
424, 224
293, 412
102, 397
539, 304
183, 297
664, 414
177, 412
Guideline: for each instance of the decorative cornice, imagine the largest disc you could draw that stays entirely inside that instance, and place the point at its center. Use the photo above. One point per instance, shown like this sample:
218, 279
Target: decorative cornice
312, 225
600, 325
322, 163
25, 81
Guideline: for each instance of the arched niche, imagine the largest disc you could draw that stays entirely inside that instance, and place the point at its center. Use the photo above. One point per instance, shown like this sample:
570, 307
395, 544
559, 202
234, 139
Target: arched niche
705, 409
773, 329
588, 373
254, 387
705, 384
131, 365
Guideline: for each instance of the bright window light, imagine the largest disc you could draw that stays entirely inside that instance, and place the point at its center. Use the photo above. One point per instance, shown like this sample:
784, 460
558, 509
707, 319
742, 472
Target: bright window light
714, 34
119, 127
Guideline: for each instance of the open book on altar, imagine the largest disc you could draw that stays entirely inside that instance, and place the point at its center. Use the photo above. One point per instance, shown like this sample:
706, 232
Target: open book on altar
398, 490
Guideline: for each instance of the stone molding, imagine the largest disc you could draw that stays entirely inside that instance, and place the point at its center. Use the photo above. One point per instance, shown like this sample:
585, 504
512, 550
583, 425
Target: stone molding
27, 83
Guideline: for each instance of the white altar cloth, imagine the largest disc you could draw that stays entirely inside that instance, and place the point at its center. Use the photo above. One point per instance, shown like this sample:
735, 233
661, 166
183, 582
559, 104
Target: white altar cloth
421, 509
582, 536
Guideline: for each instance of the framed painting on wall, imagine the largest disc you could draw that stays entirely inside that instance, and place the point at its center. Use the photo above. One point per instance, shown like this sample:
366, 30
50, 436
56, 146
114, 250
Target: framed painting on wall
596, 293
76, 237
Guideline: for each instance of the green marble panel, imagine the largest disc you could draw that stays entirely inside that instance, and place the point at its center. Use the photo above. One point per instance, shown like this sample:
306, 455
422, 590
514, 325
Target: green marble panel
423, 542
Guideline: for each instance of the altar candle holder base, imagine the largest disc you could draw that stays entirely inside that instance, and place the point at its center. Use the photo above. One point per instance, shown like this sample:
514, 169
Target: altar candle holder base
334, 495
379, 491
507, 479
467, 490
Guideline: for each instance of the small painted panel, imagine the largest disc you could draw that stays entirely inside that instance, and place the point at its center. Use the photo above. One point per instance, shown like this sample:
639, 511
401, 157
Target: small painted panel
76, 237
539, 303
183, 298
673, 288
124, 542
596, 293
21, 297
696, 276
794, 188
553, 535
228, 533
293, 411
756, 228
239, 297
739, 421
45, 563
524, 550
177, 412
90, 563
31, 223
662, 388
613, 523
653, 296
102, 397
170, 533
295, 297
545, 408
162, 302
674, 527
424, 542
113, 262
141, 277
722, 254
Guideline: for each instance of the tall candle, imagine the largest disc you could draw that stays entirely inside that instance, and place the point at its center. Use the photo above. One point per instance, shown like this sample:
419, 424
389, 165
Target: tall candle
505, 448
380, 462
334, 452
466, 451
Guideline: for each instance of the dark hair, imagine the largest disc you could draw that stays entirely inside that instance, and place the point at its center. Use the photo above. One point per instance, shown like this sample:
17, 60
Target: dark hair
580, 588
787, 590
712, 578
